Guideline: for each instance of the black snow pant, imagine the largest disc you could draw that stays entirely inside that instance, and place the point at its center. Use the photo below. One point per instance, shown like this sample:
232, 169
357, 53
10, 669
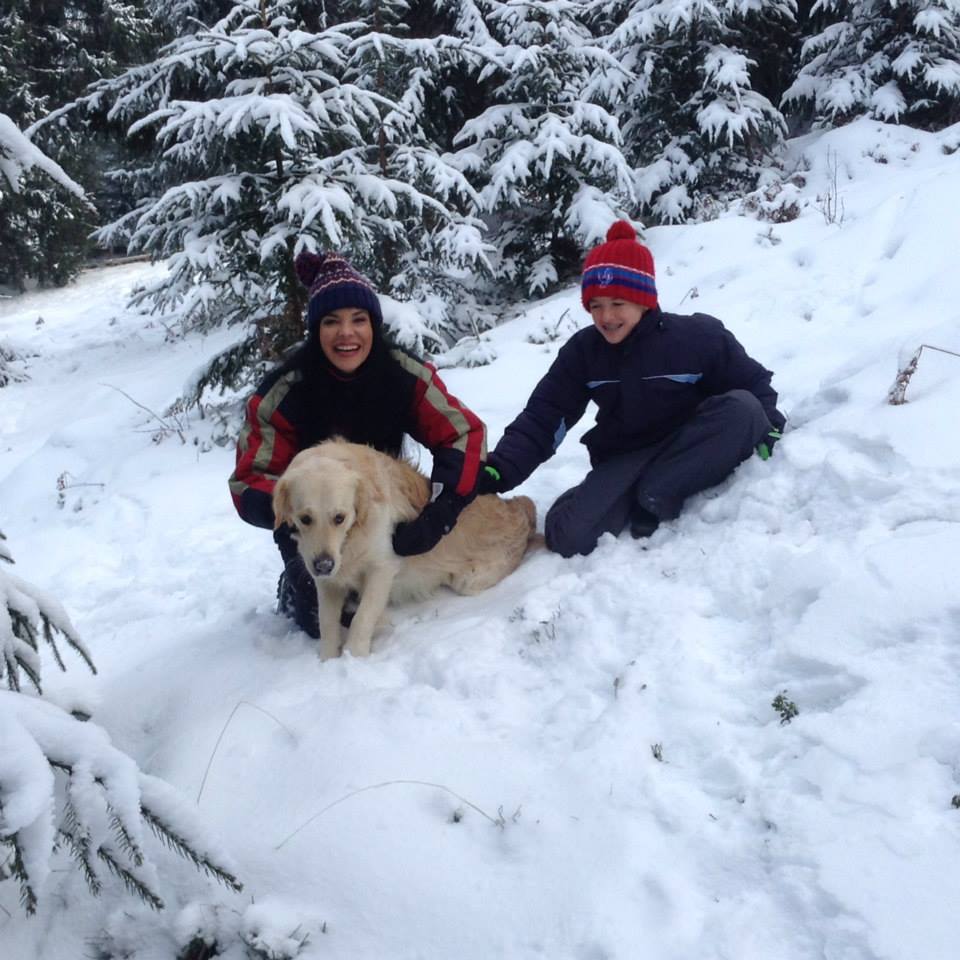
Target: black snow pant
296, 591
722, 433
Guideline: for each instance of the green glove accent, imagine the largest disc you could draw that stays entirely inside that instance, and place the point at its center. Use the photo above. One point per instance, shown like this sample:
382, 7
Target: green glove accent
764, 449
493, 471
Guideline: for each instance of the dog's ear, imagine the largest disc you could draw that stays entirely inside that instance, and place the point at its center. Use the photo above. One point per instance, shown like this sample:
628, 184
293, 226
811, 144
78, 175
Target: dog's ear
282, 510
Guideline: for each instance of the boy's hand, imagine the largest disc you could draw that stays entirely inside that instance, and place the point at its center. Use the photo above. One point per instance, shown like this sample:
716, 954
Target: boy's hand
488, 480
765, 446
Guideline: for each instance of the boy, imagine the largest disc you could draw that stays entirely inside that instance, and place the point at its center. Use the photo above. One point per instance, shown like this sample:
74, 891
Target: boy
680, 405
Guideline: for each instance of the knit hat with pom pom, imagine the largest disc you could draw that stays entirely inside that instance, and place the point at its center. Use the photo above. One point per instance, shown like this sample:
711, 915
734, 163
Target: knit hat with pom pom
332, 283
622, 268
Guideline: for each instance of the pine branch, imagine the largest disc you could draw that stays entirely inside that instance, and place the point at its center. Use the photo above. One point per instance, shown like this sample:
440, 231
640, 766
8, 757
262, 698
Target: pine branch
127, 844
11, 668
17, 660
181, 846
76, 646
132, 882
80, 850
48, 636
28, 896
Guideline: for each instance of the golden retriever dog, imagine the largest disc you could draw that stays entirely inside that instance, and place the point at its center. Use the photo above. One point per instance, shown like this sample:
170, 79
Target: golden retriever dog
343, 500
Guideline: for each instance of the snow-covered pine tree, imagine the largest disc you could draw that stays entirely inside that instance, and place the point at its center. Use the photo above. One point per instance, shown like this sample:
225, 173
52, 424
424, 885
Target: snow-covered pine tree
265, 148
50, 52
405, 56
546, 151
37, 199
63, 784
896, 60
694, 123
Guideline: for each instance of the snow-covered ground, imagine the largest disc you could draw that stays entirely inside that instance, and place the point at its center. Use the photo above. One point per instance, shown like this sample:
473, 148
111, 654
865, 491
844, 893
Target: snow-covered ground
583, 762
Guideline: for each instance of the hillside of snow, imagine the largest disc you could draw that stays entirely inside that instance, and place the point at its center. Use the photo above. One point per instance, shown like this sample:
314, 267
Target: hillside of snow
583, 762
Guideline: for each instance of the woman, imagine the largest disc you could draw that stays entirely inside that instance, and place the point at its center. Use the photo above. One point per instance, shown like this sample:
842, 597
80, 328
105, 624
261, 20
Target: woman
348, 380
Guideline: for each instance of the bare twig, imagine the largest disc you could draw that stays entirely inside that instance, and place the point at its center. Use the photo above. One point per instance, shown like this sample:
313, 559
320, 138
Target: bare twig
498, 821
897, 393
177, 428
216, 746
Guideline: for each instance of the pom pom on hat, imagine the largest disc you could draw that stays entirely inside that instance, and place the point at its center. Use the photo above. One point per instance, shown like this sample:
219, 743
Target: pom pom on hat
333, 283
621, 230
307, 265
622, 268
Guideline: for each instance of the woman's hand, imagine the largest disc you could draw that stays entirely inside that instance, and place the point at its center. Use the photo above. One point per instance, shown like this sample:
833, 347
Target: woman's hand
437, 519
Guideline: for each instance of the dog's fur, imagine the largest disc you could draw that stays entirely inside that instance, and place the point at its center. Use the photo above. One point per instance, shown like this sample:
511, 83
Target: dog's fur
343, 501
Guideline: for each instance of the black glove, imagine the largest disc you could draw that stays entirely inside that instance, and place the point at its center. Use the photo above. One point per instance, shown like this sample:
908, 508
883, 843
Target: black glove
424, 533
765, 446
489, 480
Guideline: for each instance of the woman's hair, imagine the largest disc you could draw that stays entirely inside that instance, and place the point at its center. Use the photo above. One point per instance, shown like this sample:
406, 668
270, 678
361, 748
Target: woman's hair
371, 406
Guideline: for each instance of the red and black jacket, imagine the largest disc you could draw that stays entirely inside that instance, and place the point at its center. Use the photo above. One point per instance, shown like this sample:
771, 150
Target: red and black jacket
306, 401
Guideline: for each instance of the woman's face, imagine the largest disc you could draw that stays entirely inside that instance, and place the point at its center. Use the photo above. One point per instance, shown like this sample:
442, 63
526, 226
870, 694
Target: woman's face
346, 337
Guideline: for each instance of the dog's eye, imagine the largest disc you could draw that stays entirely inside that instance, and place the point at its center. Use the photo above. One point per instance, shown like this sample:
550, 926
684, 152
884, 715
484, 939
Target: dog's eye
338, 518
306, 519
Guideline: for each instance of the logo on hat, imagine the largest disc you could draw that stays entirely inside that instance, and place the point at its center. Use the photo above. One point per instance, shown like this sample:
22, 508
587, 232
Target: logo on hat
605, 277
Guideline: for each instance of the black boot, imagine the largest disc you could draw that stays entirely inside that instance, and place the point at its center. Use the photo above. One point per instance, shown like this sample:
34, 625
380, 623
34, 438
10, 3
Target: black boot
642, 523
296, 591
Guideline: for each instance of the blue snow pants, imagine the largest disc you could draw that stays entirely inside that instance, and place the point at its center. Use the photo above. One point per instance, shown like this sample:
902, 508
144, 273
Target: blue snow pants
722, 434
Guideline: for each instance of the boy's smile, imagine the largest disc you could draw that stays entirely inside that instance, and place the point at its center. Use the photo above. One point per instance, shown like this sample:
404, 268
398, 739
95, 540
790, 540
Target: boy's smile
615, 318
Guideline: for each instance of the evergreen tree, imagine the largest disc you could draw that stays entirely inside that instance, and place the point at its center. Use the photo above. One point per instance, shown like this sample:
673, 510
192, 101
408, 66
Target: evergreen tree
896, 60
406, 60
35, 195
695, 125
266, 146
51, 51
546, 151
63, 785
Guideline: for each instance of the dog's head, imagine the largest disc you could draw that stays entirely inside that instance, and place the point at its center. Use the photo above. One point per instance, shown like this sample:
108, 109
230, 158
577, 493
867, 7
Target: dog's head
321, 499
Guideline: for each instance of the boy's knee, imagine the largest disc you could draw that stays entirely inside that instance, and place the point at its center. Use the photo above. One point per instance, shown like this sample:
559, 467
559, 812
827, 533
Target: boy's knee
740, 409
560, 539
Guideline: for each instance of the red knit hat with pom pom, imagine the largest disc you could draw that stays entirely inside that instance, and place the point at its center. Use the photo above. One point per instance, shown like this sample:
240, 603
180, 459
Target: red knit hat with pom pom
333, 283
622, 268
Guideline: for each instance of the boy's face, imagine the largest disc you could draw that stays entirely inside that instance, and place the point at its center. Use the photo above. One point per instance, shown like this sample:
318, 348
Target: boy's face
615, 318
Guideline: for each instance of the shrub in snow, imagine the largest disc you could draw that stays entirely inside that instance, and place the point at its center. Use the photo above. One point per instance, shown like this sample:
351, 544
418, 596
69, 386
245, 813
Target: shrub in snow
64, 785
8, 371
697, 127
472, 351
785, 707
896, 60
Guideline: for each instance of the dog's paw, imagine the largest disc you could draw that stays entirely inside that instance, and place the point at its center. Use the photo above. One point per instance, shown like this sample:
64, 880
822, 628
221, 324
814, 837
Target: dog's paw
329, 650
358, 646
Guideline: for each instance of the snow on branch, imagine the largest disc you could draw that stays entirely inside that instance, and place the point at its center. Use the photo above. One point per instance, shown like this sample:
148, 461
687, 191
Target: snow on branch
64, 786
26, 614
18, 155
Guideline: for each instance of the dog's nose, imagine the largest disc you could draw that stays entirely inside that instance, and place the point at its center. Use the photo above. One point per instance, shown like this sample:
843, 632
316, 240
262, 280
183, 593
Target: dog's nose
323, 565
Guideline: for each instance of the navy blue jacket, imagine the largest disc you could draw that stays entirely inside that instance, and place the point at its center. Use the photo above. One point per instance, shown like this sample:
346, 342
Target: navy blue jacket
644, 388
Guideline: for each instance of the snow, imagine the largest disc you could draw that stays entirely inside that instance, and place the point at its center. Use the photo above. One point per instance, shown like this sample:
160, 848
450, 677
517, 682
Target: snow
18, 155
585, 761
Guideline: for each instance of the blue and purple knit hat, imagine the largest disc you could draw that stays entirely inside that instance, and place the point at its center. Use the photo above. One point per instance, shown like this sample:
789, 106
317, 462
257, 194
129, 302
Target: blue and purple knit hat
333, 283
622, 268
